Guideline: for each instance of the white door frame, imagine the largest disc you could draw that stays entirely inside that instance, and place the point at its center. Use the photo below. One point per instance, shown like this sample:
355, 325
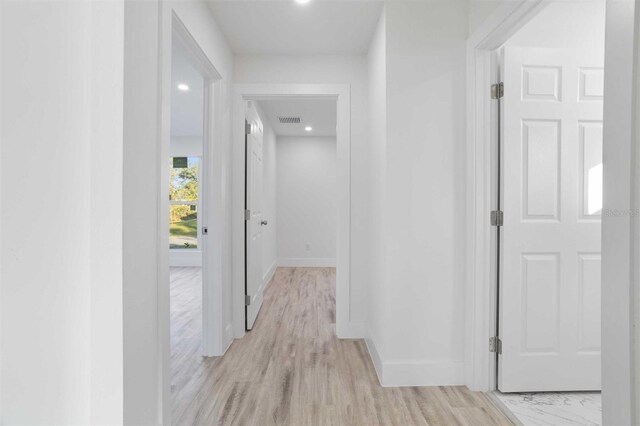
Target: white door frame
481, 294
636, 247
212, 243
340, 92
620, 233
620, 215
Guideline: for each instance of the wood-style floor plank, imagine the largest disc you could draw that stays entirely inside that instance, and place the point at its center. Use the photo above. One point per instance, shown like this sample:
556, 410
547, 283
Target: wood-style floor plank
292, 370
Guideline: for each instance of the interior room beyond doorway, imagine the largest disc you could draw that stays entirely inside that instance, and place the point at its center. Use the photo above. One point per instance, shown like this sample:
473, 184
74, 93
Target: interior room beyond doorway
186, 221
291, 190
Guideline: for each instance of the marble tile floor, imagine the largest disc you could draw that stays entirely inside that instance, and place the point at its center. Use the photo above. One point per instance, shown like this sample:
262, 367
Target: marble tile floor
554, 408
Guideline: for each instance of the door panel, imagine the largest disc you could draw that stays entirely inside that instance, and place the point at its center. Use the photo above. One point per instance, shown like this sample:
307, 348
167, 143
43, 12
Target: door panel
552, 201
253, 226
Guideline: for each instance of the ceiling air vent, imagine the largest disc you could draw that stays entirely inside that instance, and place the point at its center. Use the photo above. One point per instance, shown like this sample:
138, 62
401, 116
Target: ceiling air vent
289, 120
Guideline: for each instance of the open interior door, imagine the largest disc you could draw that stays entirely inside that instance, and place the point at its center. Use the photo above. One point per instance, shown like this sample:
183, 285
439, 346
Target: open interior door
253, 216
549, 322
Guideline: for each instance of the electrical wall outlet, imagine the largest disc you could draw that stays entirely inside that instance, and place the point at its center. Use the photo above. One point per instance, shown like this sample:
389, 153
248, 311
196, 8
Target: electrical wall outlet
307, 247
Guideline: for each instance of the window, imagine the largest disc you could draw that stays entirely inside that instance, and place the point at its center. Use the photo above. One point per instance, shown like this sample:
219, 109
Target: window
183, 202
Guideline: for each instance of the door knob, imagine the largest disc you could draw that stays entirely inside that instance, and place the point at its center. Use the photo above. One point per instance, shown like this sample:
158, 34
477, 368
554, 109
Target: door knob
264, 223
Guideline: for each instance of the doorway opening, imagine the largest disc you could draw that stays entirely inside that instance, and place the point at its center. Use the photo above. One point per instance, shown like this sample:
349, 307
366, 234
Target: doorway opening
290, 192
191, 201
186, 212
547, 198
249, 280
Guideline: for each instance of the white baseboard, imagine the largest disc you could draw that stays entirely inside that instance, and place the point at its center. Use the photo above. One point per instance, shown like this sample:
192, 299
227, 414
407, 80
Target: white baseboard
303, 262
228, 337
266, 279
351, 330
185, 257
375, 358
422, 373
415, 372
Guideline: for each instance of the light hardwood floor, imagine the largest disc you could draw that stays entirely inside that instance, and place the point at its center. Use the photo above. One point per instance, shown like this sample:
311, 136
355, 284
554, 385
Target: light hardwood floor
292, 370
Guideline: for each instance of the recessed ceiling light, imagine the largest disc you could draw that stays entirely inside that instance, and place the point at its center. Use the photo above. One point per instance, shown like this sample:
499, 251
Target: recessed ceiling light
308, 128
183, 87
302, 1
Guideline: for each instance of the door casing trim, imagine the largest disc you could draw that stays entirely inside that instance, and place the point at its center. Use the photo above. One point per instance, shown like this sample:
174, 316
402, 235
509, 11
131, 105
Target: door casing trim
481, 257
345, 327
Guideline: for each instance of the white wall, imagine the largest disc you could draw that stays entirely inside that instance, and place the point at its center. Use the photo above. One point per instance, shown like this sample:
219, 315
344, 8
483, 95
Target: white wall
269, 198
142, 357
377, 69
106, 309
185, 146
145, 362
340, 70
307, 201
565, 24
421, 337
61, 273
479, 11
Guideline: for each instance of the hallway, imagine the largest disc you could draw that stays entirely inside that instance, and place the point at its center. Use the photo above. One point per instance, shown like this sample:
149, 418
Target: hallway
291, 369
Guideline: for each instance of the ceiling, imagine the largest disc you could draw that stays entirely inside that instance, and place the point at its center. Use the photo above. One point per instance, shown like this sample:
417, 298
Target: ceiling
319, 114
187, 107
284, 27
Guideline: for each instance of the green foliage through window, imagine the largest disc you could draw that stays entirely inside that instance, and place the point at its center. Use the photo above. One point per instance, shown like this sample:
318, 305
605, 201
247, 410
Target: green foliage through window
183, 196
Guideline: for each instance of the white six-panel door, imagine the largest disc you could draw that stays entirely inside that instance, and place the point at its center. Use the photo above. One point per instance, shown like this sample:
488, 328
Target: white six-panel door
254, 176
552, 201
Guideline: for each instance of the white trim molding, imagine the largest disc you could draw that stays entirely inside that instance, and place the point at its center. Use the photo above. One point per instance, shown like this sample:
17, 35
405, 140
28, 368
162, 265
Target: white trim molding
636, 294
342, 94
620, 217
307, 262
266, 278
415, 372
481, 289
375, 357
422, 372
353, 330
